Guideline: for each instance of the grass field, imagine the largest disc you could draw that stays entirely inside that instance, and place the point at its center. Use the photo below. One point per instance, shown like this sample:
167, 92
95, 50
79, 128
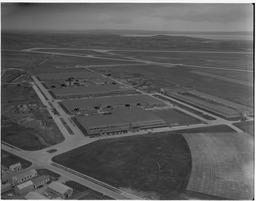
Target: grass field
222, 164
21, 137
175, 117
238, 61
158, 164
168, 77
8, 159
30, 130
246, 126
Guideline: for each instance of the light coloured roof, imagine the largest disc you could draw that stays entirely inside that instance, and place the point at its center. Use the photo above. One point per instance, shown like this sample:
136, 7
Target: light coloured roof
59, 187
24, 174
35, 196
25, 184
15, 165
66, 75
116, 100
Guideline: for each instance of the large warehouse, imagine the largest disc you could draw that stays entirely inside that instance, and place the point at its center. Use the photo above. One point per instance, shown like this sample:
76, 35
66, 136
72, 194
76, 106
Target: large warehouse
120, 120
83, 106
92, 91
67, 75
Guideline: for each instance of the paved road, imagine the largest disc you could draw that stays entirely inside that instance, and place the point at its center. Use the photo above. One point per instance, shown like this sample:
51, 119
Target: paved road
44, 159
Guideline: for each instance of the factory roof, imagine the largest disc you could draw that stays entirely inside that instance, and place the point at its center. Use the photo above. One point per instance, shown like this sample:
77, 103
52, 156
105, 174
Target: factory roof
111, 101
66, 75
15, 165
118, 117
59, 187
35, 196
24, 174
39, 179
25, 184
87, 89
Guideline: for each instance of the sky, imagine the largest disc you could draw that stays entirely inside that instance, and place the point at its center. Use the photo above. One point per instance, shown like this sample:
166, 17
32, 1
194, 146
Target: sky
126, 16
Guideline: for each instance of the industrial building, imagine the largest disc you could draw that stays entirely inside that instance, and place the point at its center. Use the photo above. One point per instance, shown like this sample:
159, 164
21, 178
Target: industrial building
213, 104
60, 190
37, 181
24, 188
92, 91
67, 75
70, 82
15, 167
24, 176
120, 120
91, 105
35, 196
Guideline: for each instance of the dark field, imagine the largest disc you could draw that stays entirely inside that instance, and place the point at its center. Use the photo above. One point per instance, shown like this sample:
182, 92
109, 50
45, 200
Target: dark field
8, 159
220, 60
73, 61
153, 163
170, 77
81, 52
21, 137
175, 117
246, 126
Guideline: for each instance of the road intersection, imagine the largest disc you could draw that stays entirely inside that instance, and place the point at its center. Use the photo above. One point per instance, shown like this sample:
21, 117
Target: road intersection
43, 158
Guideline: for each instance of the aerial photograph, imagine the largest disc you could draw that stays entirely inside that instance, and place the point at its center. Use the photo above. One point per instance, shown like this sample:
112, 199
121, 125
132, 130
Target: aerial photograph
127, 101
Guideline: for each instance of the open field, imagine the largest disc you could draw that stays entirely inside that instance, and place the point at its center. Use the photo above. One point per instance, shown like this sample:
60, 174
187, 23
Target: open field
237, 61
21, 60
246, 126
8, 159
21, 137
175, 117
81, 52
11, 75
170, 77
222, 164
25, 121
158, 165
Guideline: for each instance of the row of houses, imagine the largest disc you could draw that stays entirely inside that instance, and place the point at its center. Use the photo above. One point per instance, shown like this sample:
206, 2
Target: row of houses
29, 180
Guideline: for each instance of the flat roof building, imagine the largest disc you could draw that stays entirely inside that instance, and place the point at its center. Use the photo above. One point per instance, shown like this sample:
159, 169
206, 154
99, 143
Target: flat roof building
24, 188
120, 120
35, 196
67, 75
60, 190
15, 167
24, 176
73, 106
91, 91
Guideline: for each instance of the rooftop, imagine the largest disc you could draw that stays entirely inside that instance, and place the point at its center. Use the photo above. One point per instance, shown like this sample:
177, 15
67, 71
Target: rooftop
87, 89
111, 101
40, 178
35, 196
59, 187
24, 174
25, 184
118, 117
66, 75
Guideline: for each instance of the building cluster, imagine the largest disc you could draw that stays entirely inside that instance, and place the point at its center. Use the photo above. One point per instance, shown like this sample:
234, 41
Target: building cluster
25, 184
106, 107
210, 103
